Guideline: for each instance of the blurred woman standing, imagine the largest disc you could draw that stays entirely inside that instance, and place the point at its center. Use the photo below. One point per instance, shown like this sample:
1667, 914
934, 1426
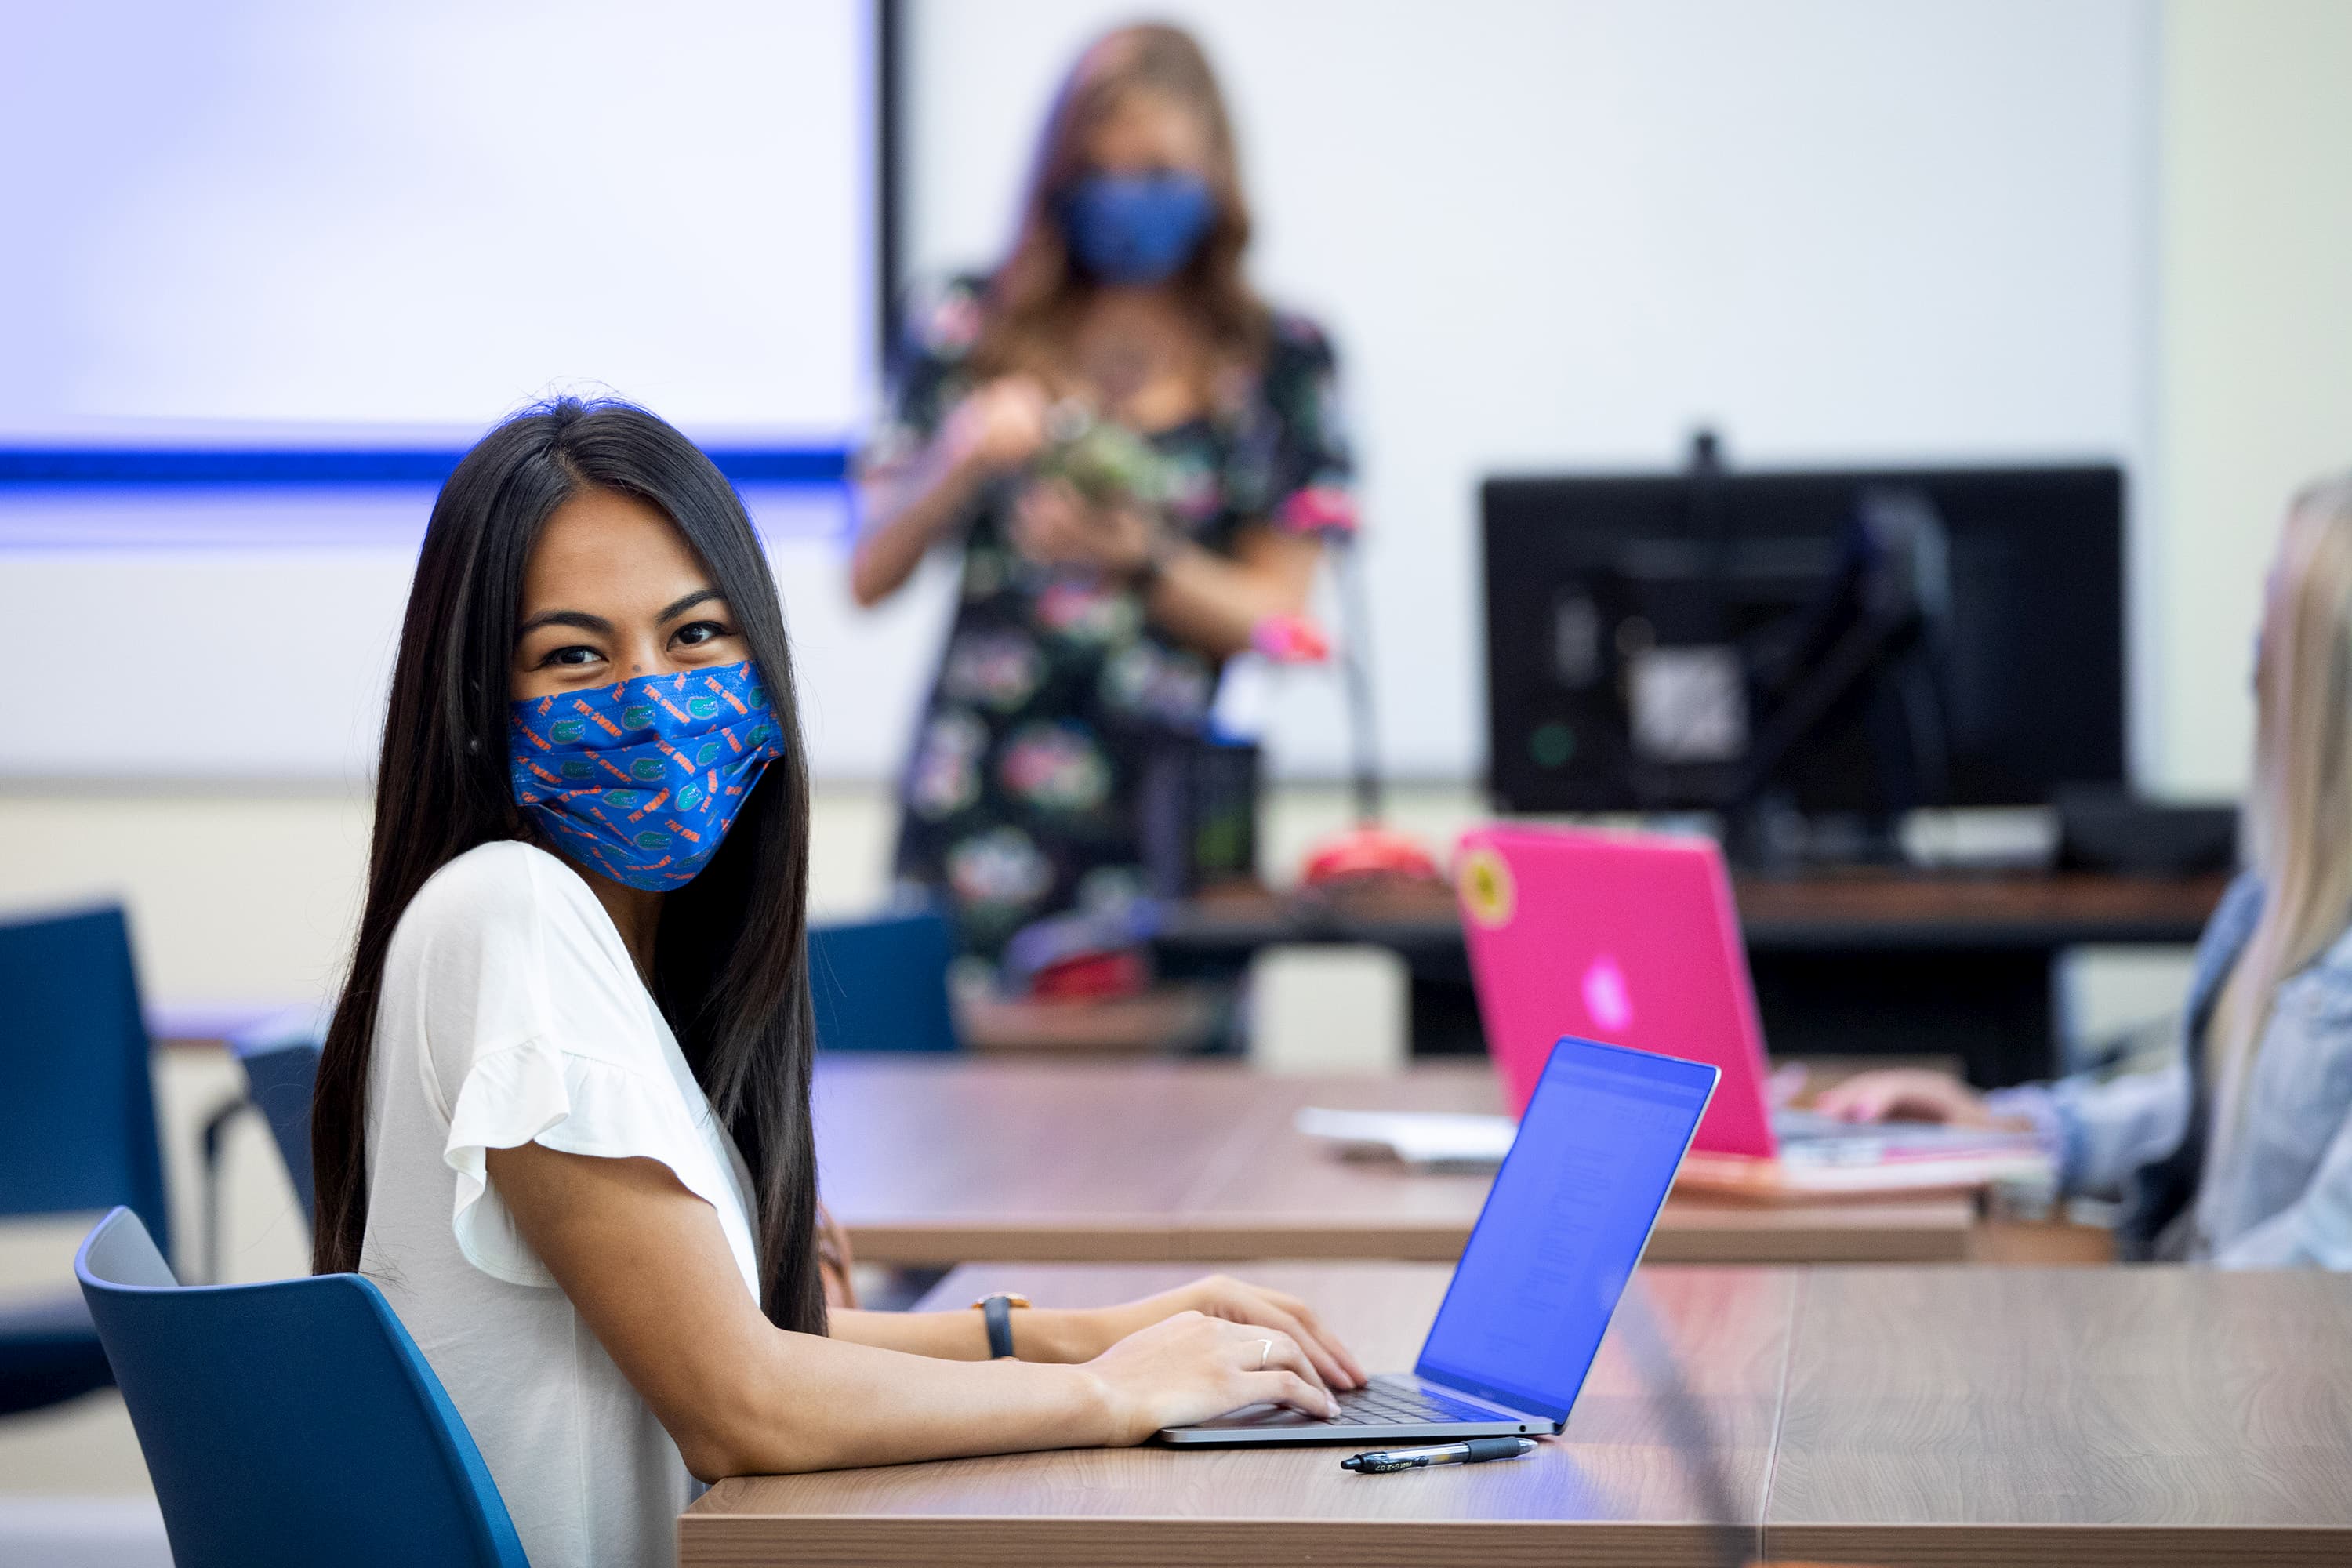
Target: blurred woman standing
1140, 460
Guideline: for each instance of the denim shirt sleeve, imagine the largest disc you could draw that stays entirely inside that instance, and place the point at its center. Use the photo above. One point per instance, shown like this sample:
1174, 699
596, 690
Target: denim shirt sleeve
2315, 1231
2299, 1087
2098, 1132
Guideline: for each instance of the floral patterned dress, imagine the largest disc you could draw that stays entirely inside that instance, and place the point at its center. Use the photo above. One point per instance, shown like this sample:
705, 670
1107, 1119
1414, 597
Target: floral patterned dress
1020, 794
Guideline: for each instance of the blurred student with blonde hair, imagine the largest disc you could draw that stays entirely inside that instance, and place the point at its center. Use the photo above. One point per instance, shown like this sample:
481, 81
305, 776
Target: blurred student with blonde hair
2239, 1153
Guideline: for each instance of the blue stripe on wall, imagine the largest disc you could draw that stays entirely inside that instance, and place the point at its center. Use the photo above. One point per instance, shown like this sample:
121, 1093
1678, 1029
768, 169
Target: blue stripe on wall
348, 466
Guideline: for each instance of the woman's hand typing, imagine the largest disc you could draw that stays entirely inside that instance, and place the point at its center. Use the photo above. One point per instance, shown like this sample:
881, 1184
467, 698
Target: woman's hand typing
1191, 1367
1087, 1335
1904, 1094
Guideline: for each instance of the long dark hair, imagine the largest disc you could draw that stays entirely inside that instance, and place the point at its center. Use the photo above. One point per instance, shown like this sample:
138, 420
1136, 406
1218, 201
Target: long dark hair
730, 967
1035, 291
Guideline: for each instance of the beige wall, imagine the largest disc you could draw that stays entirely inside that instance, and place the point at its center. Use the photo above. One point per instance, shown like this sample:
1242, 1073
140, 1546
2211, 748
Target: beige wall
248, 896
2255, 337
234, 896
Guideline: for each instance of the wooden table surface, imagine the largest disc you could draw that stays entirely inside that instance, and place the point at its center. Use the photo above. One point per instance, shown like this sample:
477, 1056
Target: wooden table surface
1893, 1416
1865, 908
1614, 1473
1168, 1020
938, 1162
2142, 1417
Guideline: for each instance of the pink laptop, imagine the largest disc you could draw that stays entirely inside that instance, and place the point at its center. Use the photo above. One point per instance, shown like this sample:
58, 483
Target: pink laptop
1631, 939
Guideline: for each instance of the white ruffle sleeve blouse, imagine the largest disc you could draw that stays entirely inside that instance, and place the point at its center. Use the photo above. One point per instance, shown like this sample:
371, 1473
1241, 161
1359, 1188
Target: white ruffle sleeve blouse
511, 1014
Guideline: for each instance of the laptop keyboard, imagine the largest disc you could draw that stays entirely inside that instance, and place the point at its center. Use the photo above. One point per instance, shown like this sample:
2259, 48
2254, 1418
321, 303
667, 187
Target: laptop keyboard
1397, 1404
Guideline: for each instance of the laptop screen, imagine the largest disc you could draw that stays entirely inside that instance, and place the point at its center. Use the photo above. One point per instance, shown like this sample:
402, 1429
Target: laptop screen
1565, 1222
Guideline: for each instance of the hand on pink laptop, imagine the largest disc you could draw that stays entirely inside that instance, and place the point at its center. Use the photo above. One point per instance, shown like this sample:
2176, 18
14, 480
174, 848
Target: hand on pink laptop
1906, 1094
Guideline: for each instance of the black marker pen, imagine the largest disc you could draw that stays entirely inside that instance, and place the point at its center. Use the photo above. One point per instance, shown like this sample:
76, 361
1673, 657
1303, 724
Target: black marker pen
1476, 1451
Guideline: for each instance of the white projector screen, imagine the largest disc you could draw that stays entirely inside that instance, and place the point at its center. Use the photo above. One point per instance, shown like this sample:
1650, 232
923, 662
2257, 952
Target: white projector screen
284, 219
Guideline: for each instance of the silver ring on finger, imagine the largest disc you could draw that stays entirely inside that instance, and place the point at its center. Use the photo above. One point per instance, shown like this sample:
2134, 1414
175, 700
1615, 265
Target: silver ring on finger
1265, 1349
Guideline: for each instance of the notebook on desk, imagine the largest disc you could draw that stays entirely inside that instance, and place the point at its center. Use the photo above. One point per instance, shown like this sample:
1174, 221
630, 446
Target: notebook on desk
1425, 1139
1634, 939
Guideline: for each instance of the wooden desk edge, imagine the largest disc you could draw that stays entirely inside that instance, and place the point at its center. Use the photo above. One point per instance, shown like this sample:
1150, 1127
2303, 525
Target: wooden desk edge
1097, 1239
1939, 1545
2039, 910
1734, 1243
943, 1243
708, 1536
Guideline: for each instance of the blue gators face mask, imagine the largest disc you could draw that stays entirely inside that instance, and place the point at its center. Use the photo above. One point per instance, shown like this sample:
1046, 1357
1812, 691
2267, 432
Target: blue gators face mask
642, 779
1136, 229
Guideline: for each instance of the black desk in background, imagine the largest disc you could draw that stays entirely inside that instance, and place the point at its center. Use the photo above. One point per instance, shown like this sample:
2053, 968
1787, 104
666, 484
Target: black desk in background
1852, 964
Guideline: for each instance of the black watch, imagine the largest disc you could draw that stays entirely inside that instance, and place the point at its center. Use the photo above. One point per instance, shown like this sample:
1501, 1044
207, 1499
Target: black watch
997, 1312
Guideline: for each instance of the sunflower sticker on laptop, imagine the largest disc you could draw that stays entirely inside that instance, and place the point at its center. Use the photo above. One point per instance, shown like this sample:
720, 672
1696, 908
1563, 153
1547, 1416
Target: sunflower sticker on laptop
1488, 896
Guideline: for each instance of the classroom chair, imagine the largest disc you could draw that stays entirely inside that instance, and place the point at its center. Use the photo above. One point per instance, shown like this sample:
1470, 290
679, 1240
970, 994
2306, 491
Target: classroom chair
76, 1125
280, 1058
881, 985
279, 1077
289, 1423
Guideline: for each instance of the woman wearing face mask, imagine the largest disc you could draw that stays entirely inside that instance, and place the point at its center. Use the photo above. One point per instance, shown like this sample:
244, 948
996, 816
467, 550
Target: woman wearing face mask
1089, 625
563, 1118
2240, 1151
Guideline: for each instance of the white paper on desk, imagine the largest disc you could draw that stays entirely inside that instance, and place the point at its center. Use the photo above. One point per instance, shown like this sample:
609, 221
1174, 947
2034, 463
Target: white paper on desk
1432, 1138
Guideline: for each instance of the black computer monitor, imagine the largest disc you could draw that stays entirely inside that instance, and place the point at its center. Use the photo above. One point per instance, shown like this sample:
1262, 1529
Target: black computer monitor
1858, 641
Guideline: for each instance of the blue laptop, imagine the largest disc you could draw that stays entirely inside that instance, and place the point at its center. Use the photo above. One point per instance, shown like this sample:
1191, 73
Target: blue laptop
1569, 1213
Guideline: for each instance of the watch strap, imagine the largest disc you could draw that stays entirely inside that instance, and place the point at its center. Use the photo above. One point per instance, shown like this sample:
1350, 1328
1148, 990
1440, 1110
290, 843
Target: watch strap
996, 1312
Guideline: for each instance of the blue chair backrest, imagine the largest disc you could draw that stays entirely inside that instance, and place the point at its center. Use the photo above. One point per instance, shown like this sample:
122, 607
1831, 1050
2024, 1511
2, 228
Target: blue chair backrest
77, 1106
882, 985
290, 1423
281, 1067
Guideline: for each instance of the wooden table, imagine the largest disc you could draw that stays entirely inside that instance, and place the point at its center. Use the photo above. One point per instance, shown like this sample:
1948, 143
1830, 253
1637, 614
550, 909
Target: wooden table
1168, 1020
1613, 1474
206, 1025
1854, 962
1900, 1417
2074, 1418
1851, 907
935, 1161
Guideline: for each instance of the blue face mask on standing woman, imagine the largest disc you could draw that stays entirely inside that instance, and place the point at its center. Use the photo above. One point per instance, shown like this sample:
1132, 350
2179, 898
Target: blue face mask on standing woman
1136, 229
642, 779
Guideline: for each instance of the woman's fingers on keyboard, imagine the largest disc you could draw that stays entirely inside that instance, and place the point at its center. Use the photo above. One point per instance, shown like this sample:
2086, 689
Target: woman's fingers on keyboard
1286, 1387
1337, 1363
1239, 1302
1330, 1370
1273, 1351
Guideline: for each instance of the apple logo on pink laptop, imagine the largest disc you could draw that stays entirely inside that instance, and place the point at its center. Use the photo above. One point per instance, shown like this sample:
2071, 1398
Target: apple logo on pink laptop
1606, 997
